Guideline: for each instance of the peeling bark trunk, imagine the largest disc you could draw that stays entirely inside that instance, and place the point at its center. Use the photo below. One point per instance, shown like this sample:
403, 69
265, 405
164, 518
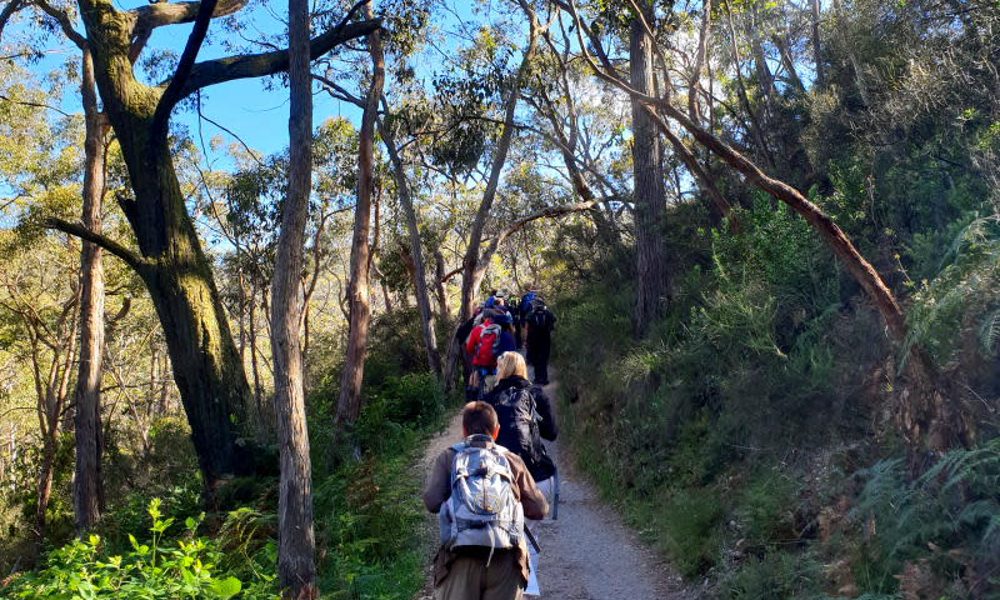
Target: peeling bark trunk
87, 492
649, 195
349, 402
296, 541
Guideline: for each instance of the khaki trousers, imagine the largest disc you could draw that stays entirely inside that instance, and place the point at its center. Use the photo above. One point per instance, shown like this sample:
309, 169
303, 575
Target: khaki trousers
470, 579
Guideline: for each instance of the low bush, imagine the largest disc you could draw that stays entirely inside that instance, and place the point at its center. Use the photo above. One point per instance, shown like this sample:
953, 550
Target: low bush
167, 564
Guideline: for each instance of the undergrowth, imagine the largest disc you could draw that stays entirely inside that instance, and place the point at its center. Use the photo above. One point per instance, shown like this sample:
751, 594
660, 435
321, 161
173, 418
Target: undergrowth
744, 436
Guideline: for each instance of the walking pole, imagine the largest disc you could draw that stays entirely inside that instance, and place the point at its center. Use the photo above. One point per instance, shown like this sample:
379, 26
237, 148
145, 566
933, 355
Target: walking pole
533, 541
555, 496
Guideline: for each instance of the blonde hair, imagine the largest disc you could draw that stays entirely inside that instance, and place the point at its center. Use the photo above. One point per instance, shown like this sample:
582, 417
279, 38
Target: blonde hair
510, 364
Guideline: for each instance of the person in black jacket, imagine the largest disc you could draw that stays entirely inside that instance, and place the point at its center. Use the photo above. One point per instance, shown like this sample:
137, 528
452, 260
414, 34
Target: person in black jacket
525, 415
539, 324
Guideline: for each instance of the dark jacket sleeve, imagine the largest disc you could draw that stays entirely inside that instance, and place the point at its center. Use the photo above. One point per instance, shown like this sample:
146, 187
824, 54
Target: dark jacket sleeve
547, 427
438, 486
507, 343
532, 499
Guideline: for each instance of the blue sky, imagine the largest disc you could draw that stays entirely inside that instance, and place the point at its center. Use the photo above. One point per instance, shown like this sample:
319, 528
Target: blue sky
258, 115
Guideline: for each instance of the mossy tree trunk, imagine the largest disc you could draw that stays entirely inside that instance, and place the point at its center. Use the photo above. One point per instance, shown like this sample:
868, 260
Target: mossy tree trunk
206, 363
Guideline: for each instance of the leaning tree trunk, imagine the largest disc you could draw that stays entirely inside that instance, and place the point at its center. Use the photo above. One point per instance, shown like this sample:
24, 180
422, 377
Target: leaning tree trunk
416, 252
87, 491
296, 541
649, 194
928, 417
349, 402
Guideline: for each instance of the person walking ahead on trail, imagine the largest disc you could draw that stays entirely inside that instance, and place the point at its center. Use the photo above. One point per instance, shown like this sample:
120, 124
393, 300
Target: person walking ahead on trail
525, 414
489, 340
483, 493
486, 343
539, 323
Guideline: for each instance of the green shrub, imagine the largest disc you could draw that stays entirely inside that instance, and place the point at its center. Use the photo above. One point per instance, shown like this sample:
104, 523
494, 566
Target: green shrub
686, 525
948, 518
765, 512
185, 567
776, 576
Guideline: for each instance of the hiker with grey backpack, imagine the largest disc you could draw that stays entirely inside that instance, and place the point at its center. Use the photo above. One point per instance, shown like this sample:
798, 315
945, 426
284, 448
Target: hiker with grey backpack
482, 492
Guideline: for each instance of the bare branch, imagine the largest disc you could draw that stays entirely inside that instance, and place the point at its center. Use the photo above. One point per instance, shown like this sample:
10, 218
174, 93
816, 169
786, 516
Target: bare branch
211, 72
175, 89
7, 12
76, 229
147, 18
34, 104
161, 14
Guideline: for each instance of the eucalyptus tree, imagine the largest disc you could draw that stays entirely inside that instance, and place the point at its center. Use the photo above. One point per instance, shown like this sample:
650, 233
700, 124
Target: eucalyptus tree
296, 540
349, 401
170, 259
88, 494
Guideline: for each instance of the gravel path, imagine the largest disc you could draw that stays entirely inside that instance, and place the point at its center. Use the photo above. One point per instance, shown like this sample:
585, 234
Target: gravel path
588, 553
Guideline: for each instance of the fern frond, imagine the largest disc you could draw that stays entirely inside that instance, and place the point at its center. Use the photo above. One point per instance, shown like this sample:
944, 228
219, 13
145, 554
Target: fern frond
989, 333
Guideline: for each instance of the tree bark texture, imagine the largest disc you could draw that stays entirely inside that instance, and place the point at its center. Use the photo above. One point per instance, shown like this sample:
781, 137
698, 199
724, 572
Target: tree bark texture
349, 402
649, 195
296, 540
87, 491
178, 275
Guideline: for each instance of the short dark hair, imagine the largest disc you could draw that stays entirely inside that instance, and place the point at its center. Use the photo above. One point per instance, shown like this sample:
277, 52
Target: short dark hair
479, 417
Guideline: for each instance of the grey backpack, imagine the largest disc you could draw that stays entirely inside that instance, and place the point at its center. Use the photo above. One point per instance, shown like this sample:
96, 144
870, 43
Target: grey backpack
483, 509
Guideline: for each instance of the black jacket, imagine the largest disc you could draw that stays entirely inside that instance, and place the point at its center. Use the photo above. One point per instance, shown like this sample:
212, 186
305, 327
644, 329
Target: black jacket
525, 414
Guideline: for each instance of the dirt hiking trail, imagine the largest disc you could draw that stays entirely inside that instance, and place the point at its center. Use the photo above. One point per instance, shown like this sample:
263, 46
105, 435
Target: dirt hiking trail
588, 553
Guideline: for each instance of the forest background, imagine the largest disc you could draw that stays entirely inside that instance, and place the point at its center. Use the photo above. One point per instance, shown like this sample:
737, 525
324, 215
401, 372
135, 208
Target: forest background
769, 229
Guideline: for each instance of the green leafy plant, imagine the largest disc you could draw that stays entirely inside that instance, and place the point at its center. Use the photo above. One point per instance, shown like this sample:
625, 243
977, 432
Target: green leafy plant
159, 567
949, 517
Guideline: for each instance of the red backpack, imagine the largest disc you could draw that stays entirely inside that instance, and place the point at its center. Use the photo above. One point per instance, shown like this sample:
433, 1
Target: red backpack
486, 349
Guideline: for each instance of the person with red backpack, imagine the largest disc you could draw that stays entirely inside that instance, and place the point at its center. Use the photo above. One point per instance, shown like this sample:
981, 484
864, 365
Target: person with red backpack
486, 343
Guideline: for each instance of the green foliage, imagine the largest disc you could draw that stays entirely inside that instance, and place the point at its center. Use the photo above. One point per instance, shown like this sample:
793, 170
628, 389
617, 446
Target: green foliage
368, 512
183, 567
400, 407
956, 316
765, 512
953, 505
775, 577
687, 525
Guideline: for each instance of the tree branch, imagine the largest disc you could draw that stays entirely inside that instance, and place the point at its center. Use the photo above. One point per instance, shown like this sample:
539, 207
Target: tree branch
76, 229
147, 18
545, 213
174, 13
175, 89
7, 12
64, 23
211, 72
34, 105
